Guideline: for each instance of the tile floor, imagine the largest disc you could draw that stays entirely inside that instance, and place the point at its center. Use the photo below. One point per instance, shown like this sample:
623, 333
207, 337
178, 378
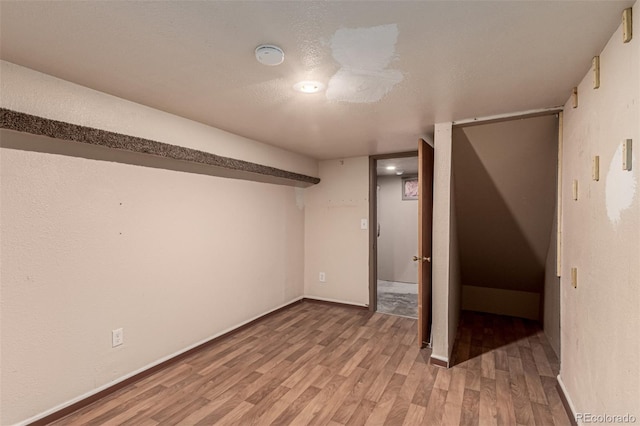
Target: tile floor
398, 298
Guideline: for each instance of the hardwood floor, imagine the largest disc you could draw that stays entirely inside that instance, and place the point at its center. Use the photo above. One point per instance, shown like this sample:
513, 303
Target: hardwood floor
317, 364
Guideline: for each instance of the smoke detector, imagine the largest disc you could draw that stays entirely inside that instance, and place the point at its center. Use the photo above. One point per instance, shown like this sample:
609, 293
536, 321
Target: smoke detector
268, 54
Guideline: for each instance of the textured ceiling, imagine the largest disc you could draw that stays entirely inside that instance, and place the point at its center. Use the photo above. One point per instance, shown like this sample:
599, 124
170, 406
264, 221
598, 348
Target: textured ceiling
392, 69
407, 165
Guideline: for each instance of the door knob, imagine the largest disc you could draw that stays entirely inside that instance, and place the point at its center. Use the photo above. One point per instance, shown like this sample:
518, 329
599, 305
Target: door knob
421, 259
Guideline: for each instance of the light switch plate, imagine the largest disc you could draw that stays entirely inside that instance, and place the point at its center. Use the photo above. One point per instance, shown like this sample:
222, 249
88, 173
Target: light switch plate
363, 224
117, 337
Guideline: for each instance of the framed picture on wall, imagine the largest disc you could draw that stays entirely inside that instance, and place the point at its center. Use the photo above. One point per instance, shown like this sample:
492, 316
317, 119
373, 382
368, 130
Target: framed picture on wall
410, 188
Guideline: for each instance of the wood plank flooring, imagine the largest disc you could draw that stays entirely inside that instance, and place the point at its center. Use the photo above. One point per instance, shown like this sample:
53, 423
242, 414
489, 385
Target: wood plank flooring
317, 364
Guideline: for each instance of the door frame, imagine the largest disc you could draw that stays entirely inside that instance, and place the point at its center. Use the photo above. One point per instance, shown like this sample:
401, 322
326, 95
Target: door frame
373, 222
559, 113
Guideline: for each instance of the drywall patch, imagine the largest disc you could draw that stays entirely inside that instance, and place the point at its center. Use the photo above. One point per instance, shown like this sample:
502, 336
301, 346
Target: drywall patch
620, 188
364, 55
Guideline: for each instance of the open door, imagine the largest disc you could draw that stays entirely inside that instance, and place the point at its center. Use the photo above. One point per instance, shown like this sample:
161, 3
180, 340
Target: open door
425, 221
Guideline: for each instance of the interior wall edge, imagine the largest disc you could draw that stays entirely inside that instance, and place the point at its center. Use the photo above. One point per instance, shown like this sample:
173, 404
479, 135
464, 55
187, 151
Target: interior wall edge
373, 235
441, 280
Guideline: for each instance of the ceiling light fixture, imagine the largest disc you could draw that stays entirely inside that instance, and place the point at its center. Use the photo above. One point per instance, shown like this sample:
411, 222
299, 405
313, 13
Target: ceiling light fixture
399, 173
268, 54
391, 167
308, 86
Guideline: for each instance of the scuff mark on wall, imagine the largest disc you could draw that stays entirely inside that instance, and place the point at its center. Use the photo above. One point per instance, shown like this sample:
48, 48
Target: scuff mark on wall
620, 187
364, 54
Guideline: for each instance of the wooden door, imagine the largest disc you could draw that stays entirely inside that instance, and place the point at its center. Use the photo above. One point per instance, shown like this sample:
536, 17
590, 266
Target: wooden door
425, 221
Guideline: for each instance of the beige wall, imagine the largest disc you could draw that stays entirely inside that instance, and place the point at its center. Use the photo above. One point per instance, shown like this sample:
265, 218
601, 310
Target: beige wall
90, 246
398, 241
601, 238
334, 243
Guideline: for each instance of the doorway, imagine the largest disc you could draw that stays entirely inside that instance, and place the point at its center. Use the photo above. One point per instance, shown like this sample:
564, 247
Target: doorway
397, 236
504, 202
401, 209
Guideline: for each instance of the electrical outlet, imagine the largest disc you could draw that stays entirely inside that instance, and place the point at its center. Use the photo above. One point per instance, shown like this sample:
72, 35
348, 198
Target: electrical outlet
364, 224
322, 277
117, 337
